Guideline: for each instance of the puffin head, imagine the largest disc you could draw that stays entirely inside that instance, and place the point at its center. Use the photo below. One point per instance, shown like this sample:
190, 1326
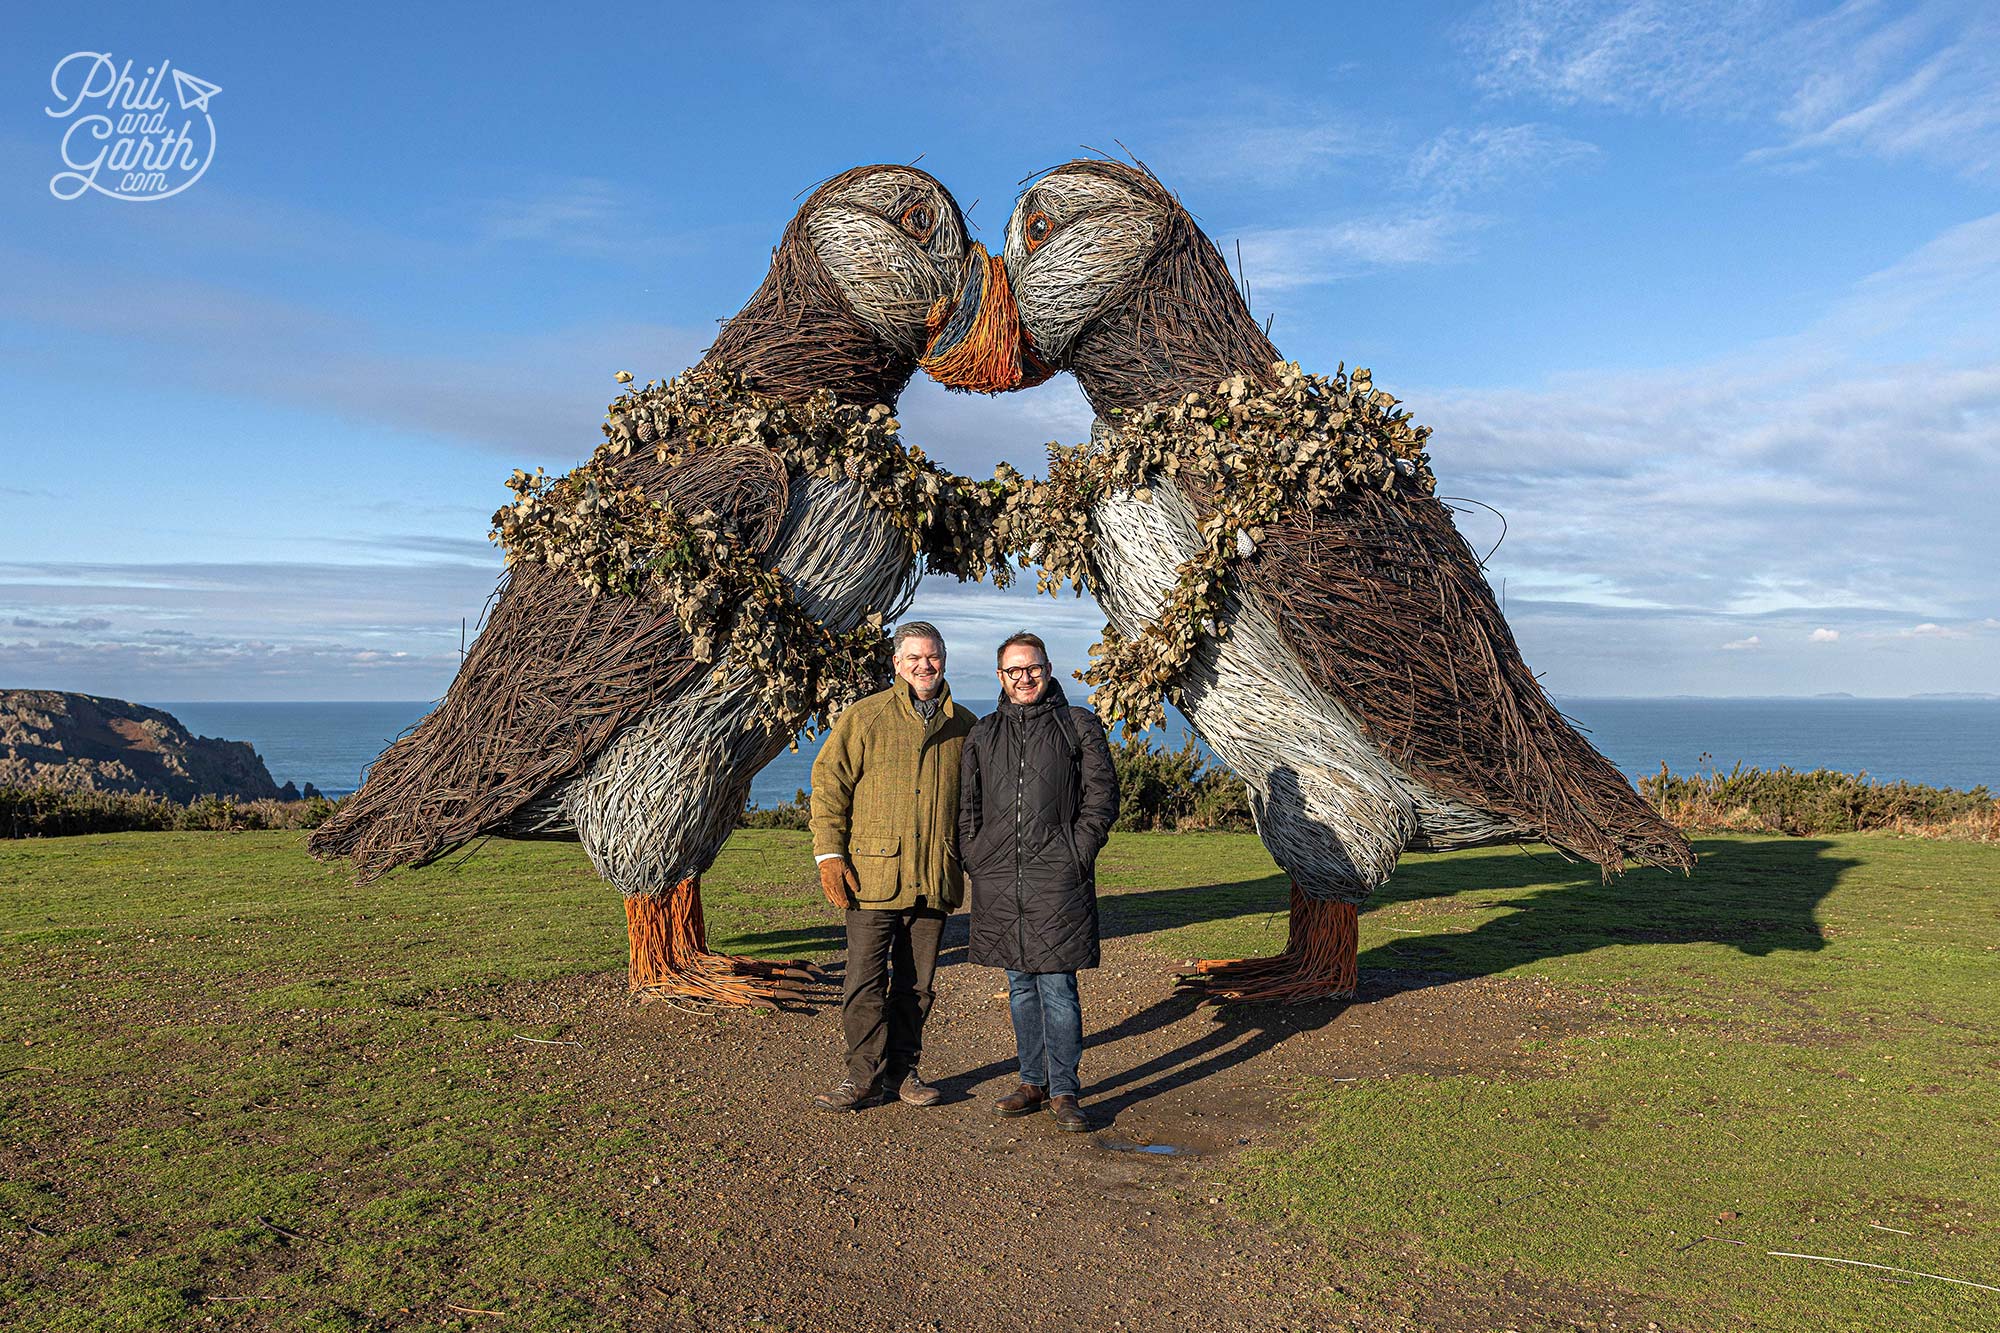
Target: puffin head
892, 239
1077, 244
1111, 278
852, 284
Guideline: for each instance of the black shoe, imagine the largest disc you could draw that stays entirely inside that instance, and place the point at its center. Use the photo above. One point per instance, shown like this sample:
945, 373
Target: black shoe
1064, 1111
1022, 1100
849, 1096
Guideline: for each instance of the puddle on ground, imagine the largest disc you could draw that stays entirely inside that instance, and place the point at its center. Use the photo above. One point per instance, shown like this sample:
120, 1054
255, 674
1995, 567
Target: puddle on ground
1150, 1149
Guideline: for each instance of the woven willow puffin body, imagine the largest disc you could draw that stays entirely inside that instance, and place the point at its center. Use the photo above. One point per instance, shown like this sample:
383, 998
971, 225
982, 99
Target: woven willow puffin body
1271, 557
716, 575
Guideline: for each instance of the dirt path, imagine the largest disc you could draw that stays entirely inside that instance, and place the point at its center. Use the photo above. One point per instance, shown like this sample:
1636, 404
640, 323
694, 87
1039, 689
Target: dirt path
951, 1218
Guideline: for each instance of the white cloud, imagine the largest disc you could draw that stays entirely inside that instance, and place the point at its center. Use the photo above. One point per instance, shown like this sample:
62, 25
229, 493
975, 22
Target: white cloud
253, 630
1825, 476
969, 433
1736, 644
1825, 636
1927, 630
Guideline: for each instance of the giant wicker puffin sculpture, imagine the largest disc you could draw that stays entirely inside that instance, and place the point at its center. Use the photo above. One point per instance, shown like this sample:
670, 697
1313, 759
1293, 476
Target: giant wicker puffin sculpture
598, 714
1351, 666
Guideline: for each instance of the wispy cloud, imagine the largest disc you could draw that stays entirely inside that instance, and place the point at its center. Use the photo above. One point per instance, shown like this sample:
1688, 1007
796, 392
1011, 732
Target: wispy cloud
1426, 199
519, 395
1277, 145
1924, 84
1479, 159
585, 214
1279, 258
1676, 53
1736, 645
1920, 83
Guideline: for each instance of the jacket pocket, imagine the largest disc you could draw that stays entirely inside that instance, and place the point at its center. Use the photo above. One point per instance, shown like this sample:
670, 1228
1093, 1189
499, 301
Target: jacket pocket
1075, 846
877, 858
978, 855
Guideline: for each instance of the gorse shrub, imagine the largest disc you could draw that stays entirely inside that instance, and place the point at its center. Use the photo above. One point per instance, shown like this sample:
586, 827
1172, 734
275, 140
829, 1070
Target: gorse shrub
49, 812
1176, 790
1782, 800
793, 814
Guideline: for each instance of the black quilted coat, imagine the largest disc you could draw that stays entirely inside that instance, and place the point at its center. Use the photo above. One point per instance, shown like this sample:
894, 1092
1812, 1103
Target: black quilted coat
1036, 799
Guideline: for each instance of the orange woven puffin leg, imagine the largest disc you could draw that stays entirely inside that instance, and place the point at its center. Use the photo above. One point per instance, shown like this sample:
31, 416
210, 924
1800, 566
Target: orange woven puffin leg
669, 956
1319, 961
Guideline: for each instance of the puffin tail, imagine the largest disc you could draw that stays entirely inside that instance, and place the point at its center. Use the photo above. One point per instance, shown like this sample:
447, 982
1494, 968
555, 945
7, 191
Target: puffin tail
1387, 606
1586, 806
397, 818
519, 719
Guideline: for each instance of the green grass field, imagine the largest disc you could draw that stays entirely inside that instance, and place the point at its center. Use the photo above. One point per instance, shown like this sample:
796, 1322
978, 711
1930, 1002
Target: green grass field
208, 1042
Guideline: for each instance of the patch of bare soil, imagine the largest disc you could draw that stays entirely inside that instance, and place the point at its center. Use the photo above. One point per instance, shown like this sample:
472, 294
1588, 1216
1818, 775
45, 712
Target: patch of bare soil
952, 1218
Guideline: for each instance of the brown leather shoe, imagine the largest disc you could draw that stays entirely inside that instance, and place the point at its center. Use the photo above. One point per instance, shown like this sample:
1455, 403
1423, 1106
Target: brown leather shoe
913, 1091
849, 1096
1067, 1115
1022, 1100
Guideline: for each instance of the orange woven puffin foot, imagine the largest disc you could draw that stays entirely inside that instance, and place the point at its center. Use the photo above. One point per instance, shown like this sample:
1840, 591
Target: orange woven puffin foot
670, 957
1318, 962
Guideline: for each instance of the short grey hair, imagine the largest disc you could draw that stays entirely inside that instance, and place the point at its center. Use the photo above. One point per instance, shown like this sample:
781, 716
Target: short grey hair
916, 629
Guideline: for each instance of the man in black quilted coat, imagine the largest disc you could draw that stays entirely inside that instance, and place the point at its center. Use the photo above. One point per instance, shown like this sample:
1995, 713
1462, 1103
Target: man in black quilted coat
1036, 799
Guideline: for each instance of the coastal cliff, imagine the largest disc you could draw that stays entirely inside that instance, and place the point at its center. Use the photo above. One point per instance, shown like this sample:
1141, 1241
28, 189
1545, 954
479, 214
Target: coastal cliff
89, 743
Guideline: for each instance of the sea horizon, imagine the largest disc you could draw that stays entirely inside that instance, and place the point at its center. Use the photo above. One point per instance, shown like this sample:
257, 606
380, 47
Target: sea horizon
1938, 739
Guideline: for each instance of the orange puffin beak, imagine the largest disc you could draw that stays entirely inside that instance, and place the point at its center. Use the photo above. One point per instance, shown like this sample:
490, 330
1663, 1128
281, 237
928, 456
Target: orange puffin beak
976, 339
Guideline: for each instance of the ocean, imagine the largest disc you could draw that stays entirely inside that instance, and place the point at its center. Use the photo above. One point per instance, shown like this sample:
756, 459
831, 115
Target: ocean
1944, 742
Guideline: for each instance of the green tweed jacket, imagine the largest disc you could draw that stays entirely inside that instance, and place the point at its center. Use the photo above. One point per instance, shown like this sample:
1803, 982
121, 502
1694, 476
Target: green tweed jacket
885, 795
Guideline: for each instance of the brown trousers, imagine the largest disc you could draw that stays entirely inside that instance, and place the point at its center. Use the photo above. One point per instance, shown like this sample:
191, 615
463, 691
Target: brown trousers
891, 958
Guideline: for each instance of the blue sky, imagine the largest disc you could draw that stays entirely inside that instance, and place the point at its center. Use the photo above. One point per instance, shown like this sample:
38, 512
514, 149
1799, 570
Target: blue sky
1704, 298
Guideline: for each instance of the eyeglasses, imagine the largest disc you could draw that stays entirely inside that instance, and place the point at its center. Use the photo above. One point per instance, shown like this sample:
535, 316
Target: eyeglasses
1035, 672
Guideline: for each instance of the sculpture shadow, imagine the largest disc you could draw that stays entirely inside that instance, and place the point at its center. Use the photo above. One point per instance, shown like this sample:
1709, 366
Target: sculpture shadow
1120, 914
1758, 897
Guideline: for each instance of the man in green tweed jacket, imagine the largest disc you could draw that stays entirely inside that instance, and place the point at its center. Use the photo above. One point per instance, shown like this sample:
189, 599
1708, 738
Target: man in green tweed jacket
885, 831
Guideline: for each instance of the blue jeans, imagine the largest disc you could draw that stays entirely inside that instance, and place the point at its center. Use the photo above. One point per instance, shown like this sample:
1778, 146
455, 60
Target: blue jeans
1048, 1029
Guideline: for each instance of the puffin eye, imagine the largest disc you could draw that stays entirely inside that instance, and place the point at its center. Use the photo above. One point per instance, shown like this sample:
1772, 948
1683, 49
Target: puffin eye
919, 221
1037, 230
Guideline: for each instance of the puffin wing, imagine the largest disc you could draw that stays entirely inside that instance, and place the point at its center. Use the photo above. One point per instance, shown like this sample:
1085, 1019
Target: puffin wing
554, 674
1385, 606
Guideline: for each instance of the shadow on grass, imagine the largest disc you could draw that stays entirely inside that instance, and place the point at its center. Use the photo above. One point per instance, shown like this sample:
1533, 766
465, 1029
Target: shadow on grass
1757, 897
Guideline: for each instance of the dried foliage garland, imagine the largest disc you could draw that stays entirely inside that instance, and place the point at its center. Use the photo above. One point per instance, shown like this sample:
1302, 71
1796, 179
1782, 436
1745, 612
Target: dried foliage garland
1253, 452
604, 527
